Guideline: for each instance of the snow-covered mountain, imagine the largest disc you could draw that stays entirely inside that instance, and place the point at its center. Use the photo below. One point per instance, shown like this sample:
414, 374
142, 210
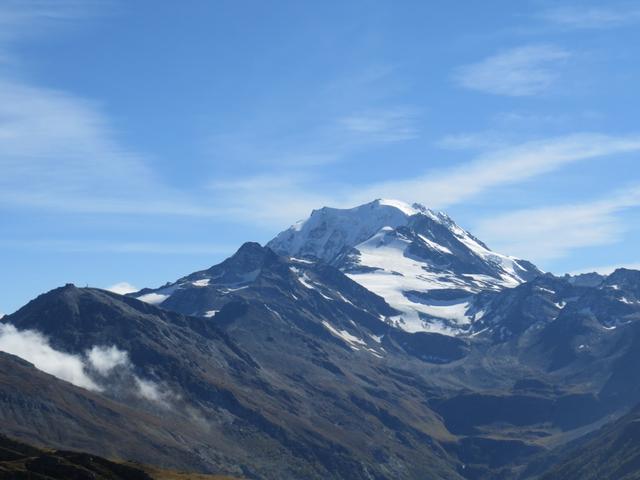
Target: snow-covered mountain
420, 261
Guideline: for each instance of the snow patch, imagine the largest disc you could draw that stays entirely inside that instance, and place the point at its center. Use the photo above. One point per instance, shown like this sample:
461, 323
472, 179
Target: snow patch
628, 302
353, 341
301, 260
402, 206
434, 245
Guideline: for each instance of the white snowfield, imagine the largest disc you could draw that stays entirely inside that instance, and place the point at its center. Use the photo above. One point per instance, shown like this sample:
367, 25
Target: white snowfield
328, 230
381, 263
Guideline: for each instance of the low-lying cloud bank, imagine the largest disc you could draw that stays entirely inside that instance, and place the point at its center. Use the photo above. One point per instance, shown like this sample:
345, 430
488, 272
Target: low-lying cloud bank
34, 347
98, 369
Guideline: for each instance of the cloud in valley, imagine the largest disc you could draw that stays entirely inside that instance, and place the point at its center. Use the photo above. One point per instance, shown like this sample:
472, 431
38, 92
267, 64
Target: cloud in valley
105, 359
92, 371
34, 347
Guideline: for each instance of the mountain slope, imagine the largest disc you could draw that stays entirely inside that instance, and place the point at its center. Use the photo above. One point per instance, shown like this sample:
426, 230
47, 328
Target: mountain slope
421, 262
22, 461
612, 453
318, 400
39, 408
521, 380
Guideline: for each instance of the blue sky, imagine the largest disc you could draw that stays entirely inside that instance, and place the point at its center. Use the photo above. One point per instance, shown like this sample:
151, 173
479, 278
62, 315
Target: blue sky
140, 141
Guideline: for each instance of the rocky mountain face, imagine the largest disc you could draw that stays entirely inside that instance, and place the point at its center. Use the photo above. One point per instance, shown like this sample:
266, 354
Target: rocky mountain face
302, 359
232, 393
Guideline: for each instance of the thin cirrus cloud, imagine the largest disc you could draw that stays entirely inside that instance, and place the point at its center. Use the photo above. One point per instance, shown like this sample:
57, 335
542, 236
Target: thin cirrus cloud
270, 199
59, 150
286, 198
551, 232
517, 72
63, 150
381, 126
502, 166
153, 248
330, 139
591, 17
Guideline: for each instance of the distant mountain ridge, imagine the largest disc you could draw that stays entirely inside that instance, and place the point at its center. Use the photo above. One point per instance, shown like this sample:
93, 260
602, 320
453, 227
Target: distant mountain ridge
421, 263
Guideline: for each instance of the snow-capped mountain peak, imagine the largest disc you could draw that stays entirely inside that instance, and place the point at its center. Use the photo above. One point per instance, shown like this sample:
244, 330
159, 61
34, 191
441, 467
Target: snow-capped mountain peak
328, 231
420, 261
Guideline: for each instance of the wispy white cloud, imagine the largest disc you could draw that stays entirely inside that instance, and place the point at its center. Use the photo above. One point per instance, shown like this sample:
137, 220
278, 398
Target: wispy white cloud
92, 246
380, 126
286, 198
105, 359
552, 232
59, 150
152, 391
60, 153
502, 166
331, 138
20, 18
522, 71
592, 17
272, 199
488, 140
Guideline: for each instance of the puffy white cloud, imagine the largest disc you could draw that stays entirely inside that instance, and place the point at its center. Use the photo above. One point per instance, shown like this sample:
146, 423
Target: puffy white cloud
105, 359
150, 391
80, 370
122, 288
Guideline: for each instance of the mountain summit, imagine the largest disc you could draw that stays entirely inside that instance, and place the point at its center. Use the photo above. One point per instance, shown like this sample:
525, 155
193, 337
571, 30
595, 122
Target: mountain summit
420, 261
